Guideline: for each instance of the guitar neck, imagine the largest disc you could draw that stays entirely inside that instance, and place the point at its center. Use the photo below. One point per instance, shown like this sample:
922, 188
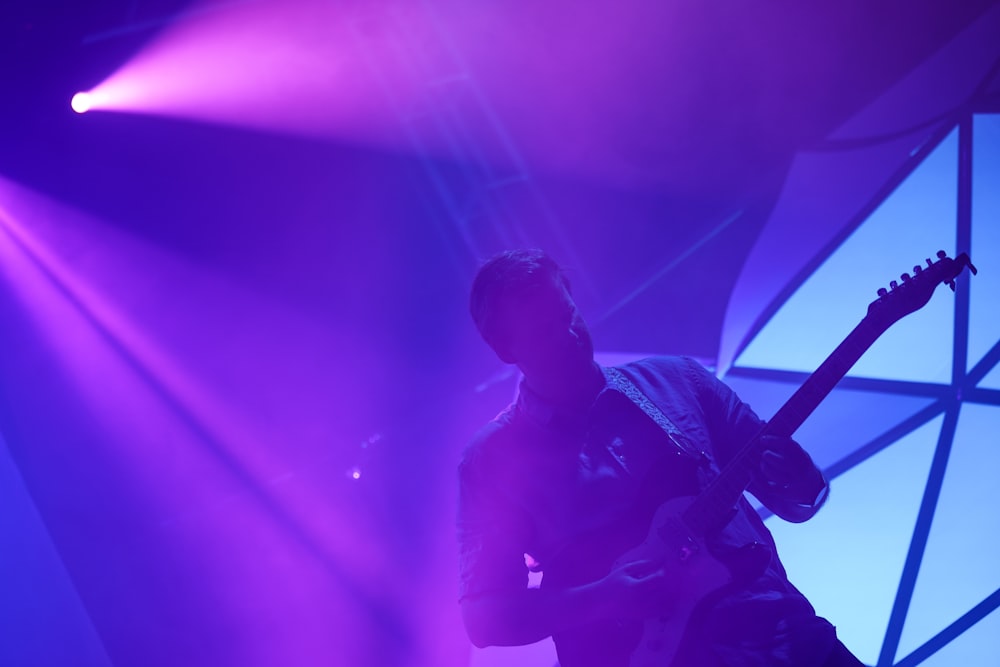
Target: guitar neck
713, 507
817, 386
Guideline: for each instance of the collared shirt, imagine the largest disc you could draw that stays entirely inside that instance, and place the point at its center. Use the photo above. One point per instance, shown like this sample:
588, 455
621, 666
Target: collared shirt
543, 482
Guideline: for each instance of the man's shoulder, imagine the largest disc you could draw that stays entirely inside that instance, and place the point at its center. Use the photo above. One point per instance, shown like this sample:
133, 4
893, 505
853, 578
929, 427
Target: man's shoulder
675, 379
489, 438
663, 366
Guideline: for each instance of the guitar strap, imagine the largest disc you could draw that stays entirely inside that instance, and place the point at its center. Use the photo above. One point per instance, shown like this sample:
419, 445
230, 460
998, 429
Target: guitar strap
621, 382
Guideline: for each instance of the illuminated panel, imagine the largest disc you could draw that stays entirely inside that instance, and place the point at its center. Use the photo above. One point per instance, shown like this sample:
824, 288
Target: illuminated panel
849, 557
992, 379
984, 316
978, 646
912, 224
960, 564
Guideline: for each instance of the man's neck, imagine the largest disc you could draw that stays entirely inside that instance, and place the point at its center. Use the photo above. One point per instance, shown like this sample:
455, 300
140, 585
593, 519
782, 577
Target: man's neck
569, 394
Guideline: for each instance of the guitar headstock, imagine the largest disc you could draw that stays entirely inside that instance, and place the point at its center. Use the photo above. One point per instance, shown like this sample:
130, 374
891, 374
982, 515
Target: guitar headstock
915, 290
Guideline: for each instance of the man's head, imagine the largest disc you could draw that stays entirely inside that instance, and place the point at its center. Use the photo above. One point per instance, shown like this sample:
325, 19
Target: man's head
522, 306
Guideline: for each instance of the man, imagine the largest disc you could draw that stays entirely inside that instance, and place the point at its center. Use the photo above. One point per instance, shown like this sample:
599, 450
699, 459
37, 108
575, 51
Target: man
568, 477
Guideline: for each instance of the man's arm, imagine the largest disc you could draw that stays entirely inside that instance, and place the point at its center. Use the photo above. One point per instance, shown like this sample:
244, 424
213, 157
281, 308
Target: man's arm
528, 615
786, 480
524, 616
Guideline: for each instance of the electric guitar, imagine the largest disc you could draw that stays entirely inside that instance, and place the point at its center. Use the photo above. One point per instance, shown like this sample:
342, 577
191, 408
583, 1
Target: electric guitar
673, 531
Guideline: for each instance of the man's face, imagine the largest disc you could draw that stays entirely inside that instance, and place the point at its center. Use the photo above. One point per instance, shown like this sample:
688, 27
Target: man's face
545, 334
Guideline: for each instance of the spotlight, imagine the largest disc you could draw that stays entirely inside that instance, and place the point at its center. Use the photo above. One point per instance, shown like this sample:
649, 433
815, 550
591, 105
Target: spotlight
81, 102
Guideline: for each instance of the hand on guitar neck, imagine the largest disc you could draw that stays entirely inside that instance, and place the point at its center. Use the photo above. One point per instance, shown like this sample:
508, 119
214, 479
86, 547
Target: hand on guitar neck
786, 470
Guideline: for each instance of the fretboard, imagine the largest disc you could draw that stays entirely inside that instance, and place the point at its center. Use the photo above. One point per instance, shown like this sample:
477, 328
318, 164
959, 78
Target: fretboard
715, 504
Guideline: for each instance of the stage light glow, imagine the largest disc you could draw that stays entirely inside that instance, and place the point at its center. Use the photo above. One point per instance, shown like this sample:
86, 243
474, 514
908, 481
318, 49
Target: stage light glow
96, 327
287, 67
82, 102
389, 74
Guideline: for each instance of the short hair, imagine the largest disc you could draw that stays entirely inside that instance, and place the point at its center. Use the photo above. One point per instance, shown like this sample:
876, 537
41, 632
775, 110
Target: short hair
511, 272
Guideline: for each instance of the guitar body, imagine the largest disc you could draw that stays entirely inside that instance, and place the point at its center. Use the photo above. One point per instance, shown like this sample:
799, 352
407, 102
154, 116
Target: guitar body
692, 574
653, 531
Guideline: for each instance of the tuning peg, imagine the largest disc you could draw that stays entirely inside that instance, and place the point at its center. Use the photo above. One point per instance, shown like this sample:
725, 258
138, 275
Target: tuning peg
905, 277
893, 284
964, 259
882, 291
917, 269
941, 254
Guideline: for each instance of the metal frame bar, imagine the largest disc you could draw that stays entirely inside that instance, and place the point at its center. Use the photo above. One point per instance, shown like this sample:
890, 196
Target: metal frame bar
921, 532
949, 400
877, 385
990, 604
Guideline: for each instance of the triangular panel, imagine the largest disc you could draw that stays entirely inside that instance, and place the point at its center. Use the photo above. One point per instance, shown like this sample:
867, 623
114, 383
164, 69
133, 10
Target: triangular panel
992, 379
984, 315
963, 550
844, 422
852, 582
910, 225
979, 646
